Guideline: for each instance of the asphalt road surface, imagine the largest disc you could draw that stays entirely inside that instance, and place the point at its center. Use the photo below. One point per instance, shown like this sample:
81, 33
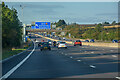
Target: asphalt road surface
74, 62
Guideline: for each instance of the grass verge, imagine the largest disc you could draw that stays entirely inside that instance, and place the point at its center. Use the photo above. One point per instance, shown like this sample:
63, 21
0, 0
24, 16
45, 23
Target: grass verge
10, 52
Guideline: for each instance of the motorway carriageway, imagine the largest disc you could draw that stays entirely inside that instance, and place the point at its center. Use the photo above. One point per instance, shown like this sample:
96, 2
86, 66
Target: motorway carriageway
74, 62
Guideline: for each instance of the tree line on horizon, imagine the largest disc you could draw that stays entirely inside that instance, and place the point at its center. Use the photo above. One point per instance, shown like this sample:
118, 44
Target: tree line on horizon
97, 33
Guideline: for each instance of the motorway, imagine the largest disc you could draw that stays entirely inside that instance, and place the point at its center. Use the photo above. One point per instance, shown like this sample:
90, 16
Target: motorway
74, 62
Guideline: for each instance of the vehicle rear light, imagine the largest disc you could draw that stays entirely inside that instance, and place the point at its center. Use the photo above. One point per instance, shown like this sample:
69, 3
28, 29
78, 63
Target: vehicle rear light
65, 44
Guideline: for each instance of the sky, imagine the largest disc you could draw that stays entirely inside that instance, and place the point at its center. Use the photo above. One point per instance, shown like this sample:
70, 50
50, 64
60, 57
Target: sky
71, 12
60, 0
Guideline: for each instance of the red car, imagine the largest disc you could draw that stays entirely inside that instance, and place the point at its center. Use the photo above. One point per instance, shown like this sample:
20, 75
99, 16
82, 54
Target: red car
77, 42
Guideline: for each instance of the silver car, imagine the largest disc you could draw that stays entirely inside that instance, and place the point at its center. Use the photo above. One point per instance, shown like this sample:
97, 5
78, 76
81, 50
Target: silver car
62, 45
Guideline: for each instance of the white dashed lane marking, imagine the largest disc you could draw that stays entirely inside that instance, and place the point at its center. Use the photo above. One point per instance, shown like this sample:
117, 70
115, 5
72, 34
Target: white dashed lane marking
79, 60
114, 56
111, 50
92, 52
92, 66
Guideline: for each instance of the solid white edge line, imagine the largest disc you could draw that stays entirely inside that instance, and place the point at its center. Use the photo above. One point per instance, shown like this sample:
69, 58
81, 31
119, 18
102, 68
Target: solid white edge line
17, 66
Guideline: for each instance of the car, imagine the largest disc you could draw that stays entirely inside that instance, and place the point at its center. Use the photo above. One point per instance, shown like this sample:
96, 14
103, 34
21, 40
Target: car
54, 43
62, 45
92, 40
45, 45
119, 41
59, 38
50, 42
77, 42
64, 38
86, 40
37, 41
42, 40
48, 35
115, 41
58, 42
39, 44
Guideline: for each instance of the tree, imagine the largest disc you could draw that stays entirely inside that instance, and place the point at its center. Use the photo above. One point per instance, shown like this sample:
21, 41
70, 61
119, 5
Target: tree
106, 23
60, 23
11, 27
114, 22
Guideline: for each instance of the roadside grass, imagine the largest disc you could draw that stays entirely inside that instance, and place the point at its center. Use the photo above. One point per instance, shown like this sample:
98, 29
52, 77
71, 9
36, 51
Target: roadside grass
10, 52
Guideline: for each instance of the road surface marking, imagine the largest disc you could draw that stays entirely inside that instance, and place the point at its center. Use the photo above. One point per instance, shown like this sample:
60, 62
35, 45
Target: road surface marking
111, 50
71, 57
17, 66
92, 66
114, 56
78, 60
65, 54
62, 52
118, 78
92, 52
103, 49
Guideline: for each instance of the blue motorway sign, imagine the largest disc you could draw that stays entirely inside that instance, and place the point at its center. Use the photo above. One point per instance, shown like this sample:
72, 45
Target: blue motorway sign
41, 25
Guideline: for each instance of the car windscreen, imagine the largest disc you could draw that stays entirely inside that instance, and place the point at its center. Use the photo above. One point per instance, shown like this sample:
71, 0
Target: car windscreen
62, 42
78, 41
45, 43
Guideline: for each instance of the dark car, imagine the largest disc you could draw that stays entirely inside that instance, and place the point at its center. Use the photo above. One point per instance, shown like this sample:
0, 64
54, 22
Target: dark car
77, 42
45, 45
59, 38
54, 43
115, 41
92, 40
39, 44
50, 42
86, 40
119, 41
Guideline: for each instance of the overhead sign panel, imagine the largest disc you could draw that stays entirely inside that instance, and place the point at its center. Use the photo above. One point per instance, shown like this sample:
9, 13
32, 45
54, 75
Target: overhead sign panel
42, 25
33, 27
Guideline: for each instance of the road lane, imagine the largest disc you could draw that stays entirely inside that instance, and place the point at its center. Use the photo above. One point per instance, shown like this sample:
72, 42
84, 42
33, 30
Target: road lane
76, 61
103, 58
50, 64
